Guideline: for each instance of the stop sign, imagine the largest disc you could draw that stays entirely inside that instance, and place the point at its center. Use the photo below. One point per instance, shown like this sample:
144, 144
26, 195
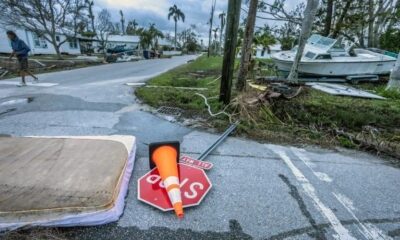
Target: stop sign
194, 185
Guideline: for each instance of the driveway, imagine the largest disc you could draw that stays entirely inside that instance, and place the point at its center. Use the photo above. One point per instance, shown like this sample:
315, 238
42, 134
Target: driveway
260, 191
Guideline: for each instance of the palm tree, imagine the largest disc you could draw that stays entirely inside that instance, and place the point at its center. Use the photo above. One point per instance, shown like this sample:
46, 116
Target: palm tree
131, 29
176, 15
149, 37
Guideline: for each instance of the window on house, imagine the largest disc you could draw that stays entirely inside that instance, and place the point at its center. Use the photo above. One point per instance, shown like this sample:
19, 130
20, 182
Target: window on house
39, 42
57, 38
73, 43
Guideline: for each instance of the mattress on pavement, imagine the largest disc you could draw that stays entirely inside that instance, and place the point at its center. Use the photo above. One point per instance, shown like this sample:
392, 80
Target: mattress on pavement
63, 181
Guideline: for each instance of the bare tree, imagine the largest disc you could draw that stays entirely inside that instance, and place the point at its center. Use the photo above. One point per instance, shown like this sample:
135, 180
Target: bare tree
104, 27
122, 21
309, 15
47, 19
211, 27
90, 4
394, 83
247, 45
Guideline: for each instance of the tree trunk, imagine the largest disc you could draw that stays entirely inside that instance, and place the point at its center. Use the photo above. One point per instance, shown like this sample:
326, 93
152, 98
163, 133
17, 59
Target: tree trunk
328, 19
394, 82
340, 20
56, 47
232, 26
247, 46
306, 27
371, 20
176, 29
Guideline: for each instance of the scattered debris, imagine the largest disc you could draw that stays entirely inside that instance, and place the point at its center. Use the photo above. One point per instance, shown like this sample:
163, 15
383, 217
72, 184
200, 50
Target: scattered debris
350, 79
258, 87
89, 58
135, 84
3, 72
174, 111
369, 138
213, 81
274, 90
182, 88
37, 61
127, 58
198, 74
341, 90
362, 78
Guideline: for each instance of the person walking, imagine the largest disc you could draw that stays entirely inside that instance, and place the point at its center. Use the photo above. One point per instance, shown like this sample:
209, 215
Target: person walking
21, 50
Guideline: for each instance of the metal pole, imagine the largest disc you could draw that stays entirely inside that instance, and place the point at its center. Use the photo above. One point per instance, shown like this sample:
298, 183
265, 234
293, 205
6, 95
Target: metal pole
218, 142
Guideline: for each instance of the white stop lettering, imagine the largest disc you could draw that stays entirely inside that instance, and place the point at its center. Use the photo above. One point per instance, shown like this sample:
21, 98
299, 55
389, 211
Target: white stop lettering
193, 192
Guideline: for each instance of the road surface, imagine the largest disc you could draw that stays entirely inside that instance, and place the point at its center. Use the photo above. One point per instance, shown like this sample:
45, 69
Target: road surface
260, 191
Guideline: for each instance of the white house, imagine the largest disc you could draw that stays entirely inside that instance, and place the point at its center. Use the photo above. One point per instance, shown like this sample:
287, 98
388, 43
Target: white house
39, 45
266, 53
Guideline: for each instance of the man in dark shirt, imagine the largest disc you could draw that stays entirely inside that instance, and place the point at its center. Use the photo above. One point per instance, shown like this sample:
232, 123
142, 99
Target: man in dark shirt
20, 50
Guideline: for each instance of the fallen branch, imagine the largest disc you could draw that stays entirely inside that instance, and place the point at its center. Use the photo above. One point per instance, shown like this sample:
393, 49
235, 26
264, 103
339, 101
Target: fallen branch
182, 88
372, 142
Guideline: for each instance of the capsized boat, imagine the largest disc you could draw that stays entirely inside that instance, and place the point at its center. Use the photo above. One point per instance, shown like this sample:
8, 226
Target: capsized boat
325, 56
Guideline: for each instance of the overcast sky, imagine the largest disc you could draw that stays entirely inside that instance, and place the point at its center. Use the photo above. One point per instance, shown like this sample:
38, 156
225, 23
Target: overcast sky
155, 11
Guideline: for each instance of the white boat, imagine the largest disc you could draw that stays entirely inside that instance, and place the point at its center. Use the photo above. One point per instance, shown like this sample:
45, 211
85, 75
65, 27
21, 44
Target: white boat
326, 57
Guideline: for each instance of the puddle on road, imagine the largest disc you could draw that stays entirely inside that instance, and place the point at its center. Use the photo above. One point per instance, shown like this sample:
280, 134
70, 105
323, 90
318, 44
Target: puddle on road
16, 101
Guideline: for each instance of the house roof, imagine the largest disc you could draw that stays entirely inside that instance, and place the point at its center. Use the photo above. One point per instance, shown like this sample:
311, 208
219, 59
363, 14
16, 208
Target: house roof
123, 38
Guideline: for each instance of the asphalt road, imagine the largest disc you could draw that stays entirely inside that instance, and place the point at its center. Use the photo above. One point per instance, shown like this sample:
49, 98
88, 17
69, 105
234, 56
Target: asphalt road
260, 191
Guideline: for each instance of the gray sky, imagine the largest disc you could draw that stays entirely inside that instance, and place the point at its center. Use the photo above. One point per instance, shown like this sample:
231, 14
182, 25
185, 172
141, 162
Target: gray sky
155, 11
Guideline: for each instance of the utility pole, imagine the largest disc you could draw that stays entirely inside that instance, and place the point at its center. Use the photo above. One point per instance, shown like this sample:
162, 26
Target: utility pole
230, 50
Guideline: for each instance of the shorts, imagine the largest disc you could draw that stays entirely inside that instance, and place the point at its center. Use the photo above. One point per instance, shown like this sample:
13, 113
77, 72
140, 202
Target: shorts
23, 64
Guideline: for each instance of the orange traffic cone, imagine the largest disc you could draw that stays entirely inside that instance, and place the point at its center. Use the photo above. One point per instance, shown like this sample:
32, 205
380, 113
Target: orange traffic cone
165, 159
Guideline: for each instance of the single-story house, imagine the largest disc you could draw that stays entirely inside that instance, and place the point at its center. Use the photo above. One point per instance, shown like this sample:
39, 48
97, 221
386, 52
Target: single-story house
39, 45
262, 52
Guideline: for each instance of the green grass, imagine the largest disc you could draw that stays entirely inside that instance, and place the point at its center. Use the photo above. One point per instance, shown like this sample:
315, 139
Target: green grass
189, 75
311, 118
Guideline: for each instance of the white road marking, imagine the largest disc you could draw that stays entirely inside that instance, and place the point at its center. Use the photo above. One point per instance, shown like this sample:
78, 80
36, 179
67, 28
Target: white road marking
368, 230
320, 175
341, 232
40, 84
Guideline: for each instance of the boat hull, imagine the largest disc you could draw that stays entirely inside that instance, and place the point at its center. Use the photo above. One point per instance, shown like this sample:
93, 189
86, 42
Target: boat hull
337, 69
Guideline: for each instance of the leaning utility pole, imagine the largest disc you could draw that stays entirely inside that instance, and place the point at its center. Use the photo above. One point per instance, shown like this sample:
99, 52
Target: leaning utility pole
230, 50
247, 46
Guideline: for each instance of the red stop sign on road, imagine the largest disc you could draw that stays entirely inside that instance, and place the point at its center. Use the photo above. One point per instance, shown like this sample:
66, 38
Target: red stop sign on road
194, 187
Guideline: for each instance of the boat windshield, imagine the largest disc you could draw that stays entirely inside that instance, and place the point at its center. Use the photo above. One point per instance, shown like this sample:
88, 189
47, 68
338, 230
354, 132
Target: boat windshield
321, 42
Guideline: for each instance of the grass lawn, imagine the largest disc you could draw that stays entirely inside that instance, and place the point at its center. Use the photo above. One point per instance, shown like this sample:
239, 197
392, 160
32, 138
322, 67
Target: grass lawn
311, 118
